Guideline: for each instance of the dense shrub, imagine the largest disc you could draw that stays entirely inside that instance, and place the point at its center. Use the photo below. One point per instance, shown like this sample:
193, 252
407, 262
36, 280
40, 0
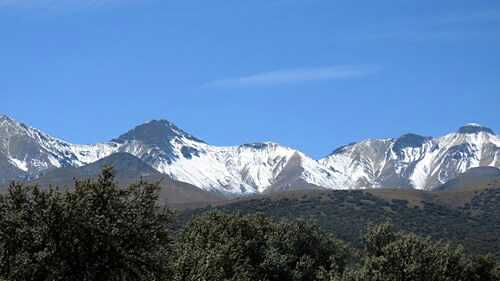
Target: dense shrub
96, 232
221, 247
392, 256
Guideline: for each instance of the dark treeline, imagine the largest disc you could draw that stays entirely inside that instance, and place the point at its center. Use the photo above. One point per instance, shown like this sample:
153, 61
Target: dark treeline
99, 231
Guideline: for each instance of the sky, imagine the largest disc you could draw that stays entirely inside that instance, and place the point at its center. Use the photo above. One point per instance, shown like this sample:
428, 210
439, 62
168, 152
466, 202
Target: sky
309, 74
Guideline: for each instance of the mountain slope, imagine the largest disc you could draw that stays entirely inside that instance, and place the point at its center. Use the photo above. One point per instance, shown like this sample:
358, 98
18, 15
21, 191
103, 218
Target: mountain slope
472, 178
9, 172
129, 169
347, 214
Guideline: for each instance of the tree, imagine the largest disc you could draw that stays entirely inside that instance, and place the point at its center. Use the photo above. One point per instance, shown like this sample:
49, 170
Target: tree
220, 247
97, 231
378, 237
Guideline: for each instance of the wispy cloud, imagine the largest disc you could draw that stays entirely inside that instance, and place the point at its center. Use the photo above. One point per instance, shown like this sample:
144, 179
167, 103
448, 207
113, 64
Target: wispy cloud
287, 76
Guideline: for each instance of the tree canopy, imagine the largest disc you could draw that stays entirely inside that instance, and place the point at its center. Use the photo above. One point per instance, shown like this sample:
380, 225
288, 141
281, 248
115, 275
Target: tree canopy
219, 246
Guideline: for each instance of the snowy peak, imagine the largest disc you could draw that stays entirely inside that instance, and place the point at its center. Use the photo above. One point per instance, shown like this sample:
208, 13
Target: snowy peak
160, 143
33, 151
23, 146
474, 128
414, 161
10, 127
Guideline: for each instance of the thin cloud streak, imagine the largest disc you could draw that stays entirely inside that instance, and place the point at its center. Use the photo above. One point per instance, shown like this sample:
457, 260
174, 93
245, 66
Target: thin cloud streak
288, 76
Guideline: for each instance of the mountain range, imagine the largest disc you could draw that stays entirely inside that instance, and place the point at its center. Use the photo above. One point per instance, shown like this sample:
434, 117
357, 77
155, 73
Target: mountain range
160, 149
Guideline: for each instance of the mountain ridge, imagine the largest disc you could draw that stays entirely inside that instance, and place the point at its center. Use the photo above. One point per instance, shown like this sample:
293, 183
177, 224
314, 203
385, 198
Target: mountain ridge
410, 161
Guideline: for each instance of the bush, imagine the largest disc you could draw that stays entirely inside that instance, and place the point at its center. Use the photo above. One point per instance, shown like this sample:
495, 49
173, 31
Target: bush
392, 256
96, 232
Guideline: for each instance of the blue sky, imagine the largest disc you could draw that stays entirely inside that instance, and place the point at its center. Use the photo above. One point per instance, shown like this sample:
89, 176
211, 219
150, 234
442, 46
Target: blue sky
312, 74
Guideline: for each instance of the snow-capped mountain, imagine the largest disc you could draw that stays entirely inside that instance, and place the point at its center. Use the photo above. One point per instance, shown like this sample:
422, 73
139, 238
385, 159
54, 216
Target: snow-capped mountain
415, 161
408, 161
31, 151
243, 169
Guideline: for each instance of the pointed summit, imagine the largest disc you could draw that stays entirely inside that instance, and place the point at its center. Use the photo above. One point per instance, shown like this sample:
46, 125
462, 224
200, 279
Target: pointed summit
474, 128
155, 132
10, 127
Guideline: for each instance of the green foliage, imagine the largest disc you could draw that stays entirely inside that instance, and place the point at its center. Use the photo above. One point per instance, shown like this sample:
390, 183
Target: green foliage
101, 232
96, 232
378, 237
219, 246
392, 256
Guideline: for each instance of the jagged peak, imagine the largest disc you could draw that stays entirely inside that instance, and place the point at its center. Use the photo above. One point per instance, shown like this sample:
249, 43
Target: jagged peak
14, 127
474, 128
8, 119
410, 140
4, 119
